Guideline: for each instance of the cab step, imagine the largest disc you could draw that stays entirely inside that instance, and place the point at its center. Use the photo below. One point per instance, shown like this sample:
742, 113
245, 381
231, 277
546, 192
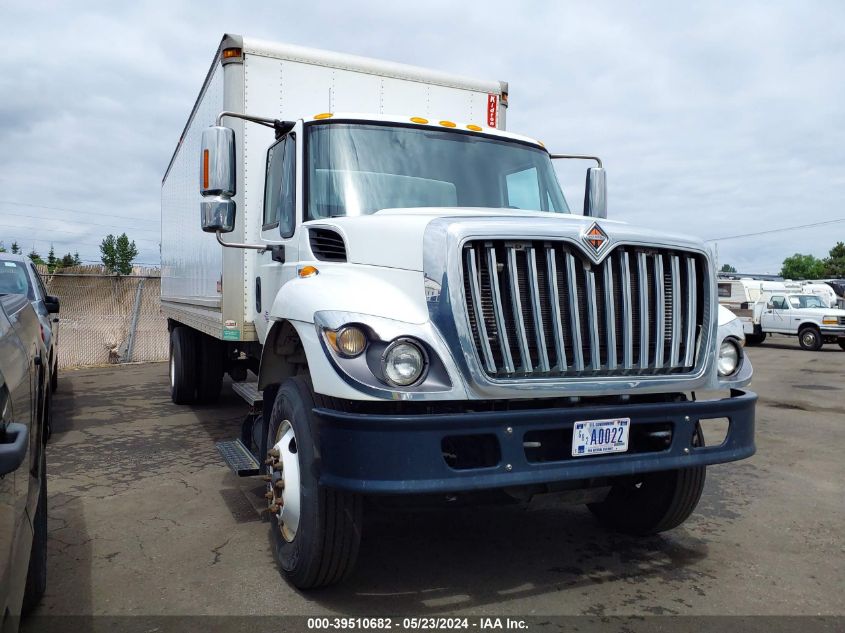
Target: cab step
239, 458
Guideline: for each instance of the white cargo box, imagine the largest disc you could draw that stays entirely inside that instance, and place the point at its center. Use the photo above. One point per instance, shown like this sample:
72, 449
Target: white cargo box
209, 287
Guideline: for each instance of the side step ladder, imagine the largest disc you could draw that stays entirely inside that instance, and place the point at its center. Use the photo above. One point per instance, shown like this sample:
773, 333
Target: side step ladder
239, 458
234, 452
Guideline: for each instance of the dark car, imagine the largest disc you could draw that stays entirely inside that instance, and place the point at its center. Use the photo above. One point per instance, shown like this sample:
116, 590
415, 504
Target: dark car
18, 275
24, 410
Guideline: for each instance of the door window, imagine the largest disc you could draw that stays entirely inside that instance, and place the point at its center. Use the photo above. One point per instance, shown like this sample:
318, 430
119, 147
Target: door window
779, 303
280, 187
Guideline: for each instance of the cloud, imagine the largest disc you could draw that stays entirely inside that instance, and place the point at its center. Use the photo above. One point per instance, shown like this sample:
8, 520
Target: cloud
713, 120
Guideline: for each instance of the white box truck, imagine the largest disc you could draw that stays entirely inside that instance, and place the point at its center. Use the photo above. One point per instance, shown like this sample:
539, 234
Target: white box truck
398, 287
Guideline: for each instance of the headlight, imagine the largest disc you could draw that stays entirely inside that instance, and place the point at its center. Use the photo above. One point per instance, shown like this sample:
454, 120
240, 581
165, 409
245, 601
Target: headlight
729, 356
403, 363
348, 341
830, 320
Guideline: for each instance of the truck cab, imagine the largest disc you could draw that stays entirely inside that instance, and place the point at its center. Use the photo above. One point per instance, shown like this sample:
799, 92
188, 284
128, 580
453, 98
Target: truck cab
424, 315
804, 315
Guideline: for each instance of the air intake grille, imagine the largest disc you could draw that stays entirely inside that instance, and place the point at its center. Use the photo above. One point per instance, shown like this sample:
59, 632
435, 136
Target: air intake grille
540, 310
327, 245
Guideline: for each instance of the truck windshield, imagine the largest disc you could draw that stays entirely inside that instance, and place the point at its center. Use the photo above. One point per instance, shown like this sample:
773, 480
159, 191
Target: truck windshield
358, 169
806, 301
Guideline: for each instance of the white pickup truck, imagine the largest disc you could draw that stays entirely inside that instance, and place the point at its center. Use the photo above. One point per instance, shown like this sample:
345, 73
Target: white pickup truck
804, 315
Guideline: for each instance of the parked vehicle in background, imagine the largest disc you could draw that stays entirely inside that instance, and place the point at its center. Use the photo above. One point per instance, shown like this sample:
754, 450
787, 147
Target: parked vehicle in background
24, 408
19, 275
803, 315
424, 314
822, 290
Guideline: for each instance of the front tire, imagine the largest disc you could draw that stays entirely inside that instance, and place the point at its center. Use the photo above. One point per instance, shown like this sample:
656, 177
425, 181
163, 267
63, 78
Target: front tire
316, 530
810, 339
183, 364
653, 502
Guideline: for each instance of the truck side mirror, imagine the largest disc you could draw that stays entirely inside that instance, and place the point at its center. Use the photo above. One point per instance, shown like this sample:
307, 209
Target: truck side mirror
217, 162
217, 214
217, 179
595, 194
52, 304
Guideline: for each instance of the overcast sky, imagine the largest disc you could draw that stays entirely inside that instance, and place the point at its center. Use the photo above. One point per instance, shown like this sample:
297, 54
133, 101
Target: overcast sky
714, 120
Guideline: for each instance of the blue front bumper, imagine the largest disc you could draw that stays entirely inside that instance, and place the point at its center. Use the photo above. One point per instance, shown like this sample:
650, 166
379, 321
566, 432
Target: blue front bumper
403, 454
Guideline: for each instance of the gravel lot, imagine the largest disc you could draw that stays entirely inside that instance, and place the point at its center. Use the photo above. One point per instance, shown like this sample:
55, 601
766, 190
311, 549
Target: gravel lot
146, 519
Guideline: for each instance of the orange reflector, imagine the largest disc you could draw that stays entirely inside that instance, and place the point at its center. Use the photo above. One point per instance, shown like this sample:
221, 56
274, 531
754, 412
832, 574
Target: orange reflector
308, 271
540, 143
419, 119
447, 124
324, 115
231, 52
474, 128
205, 169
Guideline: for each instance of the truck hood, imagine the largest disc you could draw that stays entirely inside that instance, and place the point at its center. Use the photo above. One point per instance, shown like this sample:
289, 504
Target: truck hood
394, 238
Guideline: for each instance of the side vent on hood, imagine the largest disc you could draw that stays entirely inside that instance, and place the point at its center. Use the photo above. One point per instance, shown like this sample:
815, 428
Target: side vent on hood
327, 245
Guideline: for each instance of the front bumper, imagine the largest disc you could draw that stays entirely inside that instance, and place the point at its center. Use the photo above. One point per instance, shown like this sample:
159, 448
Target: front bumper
403, 454
833, 330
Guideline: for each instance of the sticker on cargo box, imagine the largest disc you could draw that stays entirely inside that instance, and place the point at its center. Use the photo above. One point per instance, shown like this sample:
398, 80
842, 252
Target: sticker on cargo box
492, 110
231, 335
230, 325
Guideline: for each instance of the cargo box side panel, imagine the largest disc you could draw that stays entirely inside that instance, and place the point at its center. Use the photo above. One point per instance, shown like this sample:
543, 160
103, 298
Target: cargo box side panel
191, 261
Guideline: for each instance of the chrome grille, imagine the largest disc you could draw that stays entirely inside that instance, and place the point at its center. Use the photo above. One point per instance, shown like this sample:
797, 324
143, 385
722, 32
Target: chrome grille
539, 309
842, 320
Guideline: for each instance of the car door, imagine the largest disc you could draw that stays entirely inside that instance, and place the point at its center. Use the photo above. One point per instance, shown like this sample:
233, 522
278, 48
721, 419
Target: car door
17, 412
282, 187
774, 318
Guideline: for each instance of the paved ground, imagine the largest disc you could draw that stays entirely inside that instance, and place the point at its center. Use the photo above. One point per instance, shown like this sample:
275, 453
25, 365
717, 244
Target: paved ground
146, 519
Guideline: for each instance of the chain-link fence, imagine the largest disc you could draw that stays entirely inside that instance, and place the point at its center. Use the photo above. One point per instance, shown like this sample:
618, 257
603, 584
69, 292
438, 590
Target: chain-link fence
108, 318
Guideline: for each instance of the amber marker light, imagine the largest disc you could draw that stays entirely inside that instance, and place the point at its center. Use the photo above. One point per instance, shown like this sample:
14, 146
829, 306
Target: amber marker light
419, 119
447, 124
228, 53
308, 271
473, 127
323, 115
205, 169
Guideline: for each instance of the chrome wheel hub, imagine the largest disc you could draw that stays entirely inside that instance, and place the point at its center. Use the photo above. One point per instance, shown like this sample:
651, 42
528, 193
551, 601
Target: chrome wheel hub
283, 481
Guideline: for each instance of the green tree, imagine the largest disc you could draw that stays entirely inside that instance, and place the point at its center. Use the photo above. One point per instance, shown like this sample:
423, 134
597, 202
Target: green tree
118, 253
35, 257
800, 266
67, 261
834, 266
727, 268
76, 260
52, 260
16, 250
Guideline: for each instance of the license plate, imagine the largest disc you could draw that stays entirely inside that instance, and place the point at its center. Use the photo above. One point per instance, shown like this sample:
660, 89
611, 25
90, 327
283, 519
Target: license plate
596, 437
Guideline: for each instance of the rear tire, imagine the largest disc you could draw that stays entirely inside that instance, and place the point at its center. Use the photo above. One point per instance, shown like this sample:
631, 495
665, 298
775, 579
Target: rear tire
653, 502
209, 369
183, 365
322, 548
36, 578
810, 339
752, 340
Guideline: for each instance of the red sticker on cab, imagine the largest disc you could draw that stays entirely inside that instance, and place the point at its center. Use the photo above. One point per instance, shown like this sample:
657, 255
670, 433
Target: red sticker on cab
492, 110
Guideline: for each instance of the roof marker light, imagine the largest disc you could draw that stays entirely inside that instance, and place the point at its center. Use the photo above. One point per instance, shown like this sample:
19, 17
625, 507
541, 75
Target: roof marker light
231, 52
447, 124
205, 169
324, 115
419, 119
474, 128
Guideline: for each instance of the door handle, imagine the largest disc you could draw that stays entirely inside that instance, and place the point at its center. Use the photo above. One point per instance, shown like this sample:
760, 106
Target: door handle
13, 447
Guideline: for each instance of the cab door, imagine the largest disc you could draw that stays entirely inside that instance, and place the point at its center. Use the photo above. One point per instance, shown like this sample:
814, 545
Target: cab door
280, 226
775, 316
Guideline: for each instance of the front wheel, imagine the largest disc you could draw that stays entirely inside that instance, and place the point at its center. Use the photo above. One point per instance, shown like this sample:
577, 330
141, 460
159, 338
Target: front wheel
653, 502
316, 530
810, 339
